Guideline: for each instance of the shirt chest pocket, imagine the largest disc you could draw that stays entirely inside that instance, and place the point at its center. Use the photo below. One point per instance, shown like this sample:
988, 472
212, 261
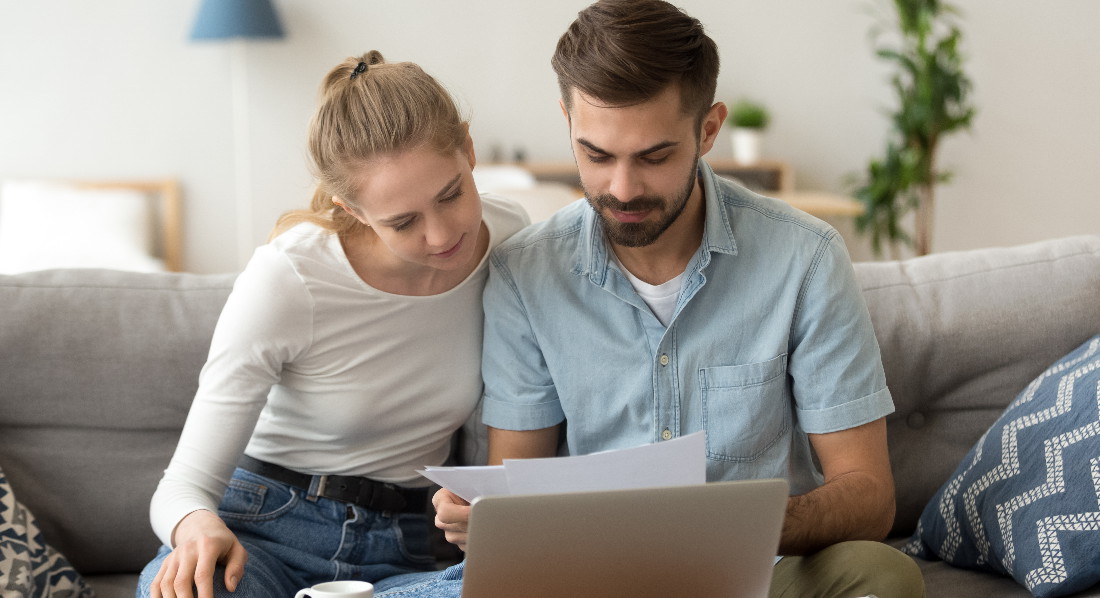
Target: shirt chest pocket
746, 408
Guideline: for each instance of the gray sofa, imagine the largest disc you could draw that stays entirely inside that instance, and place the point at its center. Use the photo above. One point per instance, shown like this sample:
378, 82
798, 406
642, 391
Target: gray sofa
98, 368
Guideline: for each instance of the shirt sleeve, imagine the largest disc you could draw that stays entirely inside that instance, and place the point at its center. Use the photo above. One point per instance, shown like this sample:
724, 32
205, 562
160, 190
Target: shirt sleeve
266, 322
519, 391
834, 364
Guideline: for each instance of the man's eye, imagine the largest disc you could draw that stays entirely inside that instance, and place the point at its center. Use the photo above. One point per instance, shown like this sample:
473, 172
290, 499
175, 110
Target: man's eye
597, 158
655, 161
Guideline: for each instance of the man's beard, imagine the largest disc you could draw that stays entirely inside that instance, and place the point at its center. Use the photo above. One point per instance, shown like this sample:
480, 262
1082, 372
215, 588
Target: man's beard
640, 234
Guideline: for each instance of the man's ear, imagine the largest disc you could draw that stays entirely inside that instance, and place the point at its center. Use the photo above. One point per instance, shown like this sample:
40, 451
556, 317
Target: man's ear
565, 112
712, 123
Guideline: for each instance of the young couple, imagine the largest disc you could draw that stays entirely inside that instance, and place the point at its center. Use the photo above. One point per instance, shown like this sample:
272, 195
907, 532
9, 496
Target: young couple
351, 348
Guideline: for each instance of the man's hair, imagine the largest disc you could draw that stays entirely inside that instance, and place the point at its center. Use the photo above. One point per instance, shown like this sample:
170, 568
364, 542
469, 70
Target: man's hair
625, 52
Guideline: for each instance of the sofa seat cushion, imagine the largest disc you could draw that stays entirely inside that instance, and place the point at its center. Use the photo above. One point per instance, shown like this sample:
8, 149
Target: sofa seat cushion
1025, 501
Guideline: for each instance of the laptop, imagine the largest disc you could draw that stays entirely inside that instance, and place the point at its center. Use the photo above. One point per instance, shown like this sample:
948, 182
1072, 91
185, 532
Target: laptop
717, 539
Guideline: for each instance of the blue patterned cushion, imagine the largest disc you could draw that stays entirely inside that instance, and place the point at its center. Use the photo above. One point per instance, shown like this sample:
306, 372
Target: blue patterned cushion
1025, 501
29, 567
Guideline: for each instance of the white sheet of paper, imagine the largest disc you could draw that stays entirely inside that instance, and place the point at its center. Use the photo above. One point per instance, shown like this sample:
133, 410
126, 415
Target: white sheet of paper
677, 462
469, 482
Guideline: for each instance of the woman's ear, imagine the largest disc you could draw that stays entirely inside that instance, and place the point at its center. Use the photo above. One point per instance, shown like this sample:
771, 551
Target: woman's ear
349, 209
468, 148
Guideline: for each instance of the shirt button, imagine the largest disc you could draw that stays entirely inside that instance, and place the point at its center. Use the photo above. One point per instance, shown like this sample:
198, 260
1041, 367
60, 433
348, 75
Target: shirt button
667, 434
664, 361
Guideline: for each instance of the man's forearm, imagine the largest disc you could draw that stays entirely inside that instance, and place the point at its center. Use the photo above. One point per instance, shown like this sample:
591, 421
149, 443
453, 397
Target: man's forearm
853, 506
528, 444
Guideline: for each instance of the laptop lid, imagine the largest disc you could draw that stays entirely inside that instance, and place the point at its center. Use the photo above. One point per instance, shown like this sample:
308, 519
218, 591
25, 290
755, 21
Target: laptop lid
716, 539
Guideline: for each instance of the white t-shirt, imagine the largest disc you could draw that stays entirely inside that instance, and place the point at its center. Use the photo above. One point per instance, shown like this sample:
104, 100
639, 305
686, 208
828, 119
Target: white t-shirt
313, 369
661, 298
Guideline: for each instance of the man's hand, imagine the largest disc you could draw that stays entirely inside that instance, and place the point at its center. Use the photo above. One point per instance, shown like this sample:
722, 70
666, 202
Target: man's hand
202, 542
452, 515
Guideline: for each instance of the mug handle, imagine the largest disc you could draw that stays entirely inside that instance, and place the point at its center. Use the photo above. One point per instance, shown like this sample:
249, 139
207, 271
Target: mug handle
304, 593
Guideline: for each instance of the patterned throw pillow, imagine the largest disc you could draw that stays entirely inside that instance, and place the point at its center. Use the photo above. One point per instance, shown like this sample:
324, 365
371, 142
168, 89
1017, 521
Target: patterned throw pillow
1025, 501
29, 568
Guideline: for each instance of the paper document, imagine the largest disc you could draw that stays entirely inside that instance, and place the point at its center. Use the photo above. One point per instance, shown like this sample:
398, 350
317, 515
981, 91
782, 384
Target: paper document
677, 462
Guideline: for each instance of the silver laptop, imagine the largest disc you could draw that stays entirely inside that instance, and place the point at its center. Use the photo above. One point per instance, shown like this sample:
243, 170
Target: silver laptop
716, 539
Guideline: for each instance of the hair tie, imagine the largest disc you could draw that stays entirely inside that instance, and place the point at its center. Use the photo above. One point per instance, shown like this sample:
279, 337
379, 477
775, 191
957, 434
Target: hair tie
360, 68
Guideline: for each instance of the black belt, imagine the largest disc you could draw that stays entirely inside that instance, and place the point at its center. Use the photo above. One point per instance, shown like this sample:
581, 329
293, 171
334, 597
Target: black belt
367, 493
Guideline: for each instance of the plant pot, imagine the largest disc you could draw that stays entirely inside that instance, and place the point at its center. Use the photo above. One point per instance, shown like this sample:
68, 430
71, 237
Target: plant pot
746, 144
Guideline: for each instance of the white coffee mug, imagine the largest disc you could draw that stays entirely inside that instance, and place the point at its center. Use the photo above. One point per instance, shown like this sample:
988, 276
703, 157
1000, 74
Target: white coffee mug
338, 589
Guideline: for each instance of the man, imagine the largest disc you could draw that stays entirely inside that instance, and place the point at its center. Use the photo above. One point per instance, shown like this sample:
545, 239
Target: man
674, 301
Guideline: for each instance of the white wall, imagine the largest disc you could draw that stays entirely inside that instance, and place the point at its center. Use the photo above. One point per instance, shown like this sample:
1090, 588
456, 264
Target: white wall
113, 89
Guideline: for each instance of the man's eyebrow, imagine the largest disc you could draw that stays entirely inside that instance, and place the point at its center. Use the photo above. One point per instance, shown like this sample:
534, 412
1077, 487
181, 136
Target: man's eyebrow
443, 192
649, 150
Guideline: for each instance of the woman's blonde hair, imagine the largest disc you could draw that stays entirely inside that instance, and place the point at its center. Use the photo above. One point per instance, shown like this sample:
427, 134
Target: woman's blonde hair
370, 108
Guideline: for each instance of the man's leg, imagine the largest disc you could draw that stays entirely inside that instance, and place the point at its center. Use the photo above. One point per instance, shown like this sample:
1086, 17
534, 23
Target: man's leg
848, 570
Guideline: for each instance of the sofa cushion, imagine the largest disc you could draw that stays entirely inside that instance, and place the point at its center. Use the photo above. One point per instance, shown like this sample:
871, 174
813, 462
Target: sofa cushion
99, 369
29, 566
961, 333
1025, 501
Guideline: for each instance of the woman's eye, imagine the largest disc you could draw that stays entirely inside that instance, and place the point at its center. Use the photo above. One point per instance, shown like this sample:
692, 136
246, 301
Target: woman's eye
457, 194
403, 225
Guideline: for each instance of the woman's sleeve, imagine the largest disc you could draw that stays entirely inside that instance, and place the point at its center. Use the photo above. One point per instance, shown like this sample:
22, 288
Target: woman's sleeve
267, 321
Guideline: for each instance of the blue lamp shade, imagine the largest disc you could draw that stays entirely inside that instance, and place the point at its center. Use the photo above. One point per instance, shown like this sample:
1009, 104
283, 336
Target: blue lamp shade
225, 19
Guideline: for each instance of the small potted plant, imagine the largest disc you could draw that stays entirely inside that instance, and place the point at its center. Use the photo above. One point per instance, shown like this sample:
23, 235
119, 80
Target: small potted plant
748, 120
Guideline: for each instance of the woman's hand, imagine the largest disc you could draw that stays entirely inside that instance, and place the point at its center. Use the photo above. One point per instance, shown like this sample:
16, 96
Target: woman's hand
202, 542
452, 515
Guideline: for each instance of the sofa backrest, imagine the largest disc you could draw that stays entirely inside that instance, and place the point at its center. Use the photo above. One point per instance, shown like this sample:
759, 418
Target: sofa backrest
98, 369
97, 372
962, 333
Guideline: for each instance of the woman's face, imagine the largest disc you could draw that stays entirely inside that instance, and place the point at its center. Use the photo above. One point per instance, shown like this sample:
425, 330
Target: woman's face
422, 205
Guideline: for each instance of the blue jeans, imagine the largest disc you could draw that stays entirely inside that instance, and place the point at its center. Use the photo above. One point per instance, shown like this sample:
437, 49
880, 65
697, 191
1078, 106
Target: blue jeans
439, 584
294, 541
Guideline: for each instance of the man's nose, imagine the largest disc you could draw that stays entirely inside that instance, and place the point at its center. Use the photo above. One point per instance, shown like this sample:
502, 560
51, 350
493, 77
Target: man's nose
625, 183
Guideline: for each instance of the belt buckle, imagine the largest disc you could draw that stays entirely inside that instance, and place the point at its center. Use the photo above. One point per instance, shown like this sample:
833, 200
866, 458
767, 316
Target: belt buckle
322, 485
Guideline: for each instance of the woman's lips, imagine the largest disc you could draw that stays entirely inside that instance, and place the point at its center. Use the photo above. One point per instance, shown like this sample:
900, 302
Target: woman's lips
451, 251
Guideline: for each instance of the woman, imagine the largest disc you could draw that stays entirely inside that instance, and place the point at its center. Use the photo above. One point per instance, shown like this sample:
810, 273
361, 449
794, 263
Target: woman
345, 358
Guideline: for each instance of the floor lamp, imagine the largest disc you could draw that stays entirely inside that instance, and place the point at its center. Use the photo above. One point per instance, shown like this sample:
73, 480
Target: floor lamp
238, 21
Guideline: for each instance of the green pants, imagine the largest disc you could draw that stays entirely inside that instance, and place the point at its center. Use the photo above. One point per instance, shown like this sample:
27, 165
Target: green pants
848, 570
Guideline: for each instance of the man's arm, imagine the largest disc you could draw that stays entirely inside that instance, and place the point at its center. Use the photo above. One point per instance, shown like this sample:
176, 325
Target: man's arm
452, 514
857, 500
527, 444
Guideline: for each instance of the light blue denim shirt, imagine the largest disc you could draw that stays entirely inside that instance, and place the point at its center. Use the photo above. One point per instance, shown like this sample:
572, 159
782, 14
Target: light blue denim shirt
770, 340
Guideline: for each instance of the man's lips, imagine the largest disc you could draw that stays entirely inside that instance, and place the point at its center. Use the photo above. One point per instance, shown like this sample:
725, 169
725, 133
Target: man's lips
629, 217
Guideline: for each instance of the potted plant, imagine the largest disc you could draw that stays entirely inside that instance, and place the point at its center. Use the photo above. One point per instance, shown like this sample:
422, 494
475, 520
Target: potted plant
932, 94
748, 120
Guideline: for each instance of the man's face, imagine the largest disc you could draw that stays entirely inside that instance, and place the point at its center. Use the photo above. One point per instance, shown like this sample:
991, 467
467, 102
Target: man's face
637, 163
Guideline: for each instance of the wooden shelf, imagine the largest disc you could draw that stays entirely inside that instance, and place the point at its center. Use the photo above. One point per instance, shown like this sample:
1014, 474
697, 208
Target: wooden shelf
763, 176
773, 178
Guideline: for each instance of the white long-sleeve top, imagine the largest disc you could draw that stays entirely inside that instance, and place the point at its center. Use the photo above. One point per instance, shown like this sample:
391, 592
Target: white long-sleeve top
313, 369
